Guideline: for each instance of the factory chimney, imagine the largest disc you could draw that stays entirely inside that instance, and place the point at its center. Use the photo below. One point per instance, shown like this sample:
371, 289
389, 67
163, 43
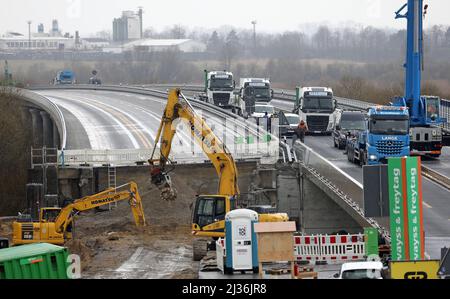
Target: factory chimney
140, 14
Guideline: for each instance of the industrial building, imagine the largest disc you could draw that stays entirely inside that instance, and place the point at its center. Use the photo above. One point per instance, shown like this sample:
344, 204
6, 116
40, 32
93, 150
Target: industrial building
159, 45
21, 42
128, 27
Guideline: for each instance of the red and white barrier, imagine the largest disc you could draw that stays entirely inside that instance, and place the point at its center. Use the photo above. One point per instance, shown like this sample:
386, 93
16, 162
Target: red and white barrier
334, 248
307, 248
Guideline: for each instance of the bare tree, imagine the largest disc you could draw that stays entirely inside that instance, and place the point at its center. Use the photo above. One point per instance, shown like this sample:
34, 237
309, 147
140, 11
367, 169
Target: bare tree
230, 49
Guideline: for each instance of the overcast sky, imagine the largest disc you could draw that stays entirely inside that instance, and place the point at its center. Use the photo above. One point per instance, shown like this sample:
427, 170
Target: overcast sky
90, 16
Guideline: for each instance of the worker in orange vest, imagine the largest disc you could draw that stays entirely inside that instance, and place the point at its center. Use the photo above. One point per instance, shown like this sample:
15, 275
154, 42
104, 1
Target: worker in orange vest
301, 130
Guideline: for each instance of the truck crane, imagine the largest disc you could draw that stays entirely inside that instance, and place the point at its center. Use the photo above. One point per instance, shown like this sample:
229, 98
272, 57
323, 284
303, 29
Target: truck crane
425, 133
55, 224
208, 217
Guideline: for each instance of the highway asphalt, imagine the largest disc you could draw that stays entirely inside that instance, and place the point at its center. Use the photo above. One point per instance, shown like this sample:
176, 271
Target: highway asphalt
102, 120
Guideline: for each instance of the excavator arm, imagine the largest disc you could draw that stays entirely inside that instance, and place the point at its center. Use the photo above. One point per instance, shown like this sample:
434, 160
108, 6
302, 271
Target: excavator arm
178, 108
108, 196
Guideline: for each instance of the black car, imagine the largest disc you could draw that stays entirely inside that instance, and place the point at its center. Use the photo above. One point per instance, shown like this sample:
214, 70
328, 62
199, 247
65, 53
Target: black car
288, 122
347, 124
95, 81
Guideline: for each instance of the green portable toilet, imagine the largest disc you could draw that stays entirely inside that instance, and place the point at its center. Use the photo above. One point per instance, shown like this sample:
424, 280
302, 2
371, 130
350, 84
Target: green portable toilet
34, 261
371, 240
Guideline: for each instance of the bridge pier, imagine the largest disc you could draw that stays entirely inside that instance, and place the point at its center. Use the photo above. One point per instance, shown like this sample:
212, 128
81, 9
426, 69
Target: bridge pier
319, 214
47, 130
56, 141
37, 125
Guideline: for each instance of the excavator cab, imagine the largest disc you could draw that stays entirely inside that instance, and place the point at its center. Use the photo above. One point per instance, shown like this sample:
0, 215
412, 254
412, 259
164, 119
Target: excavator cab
49, 214
208, 217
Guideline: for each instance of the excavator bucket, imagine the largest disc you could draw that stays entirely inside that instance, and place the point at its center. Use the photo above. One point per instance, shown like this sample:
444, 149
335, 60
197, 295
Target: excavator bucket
164, 183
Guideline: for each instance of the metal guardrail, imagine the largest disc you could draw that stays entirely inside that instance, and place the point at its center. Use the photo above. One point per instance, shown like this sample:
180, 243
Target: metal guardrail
436, 177
349, 190
132, 157
48, 106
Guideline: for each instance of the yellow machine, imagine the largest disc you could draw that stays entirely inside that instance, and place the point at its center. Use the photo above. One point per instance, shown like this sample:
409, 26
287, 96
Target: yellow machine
55, 224
208, 217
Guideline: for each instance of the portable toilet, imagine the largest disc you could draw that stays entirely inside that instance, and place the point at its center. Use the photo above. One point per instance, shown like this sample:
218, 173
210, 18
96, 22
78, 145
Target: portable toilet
240, 241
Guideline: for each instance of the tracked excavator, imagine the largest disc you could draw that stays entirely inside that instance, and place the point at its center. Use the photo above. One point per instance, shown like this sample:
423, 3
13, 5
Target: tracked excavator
208, 216
55, 224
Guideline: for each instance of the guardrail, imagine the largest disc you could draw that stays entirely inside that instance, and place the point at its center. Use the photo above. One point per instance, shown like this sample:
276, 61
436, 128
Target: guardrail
338, 180
132, 157
50, 107
436, 177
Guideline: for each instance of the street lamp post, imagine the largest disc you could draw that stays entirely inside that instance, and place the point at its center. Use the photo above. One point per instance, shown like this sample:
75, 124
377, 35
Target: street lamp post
254, 35
29, 34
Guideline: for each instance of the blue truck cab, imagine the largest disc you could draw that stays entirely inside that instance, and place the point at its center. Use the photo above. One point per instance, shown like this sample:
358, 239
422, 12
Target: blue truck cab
65, 77
386, 136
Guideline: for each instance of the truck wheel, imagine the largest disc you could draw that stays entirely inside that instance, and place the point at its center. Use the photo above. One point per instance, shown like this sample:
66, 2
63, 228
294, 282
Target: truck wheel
199, 249
350, 155
362, 159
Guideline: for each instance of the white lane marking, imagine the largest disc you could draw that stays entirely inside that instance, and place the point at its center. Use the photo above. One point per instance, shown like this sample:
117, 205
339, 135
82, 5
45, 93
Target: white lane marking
96, 140
427, 205
109, 115
143, 127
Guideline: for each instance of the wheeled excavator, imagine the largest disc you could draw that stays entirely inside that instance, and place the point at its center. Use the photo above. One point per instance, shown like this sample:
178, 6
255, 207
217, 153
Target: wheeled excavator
208, 217
55, 224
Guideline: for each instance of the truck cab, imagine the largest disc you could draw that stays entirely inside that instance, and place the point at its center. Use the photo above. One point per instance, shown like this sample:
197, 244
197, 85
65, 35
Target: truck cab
254, 91
219, 89
64, 77
425, 132
386, 136
316, 106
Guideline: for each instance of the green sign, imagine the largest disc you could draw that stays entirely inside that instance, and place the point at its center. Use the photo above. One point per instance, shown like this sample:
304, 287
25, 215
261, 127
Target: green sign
414, 196
397, 210
405, 203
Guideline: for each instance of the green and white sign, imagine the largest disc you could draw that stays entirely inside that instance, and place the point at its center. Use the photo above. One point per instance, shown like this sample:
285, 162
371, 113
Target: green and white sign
414, 197
397, 209
405, 204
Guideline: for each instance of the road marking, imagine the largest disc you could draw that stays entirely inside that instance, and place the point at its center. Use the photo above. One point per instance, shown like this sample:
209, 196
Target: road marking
84, 101
427, 205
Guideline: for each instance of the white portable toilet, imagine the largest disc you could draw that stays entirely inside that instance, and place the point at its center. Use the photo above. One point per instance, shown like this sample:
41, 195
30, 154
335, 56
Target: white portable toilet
241, 245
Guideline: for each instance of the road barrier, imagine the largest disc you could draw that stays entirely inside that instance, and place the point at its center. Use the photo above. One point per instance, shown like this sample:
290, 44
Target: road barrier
319, 248
330, 248
128, 157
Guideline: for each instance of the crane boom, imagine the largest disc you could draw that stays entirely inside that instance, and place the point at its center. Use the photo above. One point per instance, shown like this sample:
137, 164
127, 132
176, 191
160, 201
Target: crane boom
178, 108
414, 55
425, 131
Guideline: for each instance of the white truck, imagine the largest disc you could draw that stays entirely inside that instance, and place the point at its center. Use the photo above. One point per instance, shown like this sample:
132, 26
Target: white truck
316, 106
219, 89
254, 91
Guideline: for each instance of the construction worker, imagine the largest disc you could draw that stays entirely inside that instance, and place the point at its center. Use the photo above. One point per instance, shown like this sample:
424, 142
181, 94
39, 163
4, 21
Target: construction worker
301, 130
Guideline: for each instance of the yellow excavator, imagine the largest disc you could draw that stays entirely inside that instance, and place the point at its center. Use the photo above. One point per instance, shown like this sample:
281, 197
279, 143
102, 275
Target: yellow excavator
208, 217
55, 224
